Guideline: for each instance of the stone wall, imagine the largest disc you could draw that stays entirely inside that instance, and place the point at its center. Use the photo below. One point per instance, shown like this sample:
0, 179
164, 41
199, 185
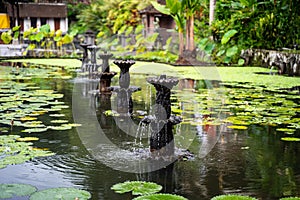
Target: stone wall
286, 62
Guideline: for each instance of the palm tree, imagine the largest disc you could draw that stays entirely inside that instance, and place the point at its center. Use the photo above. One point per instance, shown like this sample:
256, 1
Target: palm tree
183, 12
174, 8
190, 7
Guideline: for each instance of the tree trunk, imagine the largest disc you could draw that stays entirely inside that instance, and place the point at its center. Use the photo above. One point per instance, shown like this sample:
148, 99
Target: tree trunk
191, 34
212, 5
187, 34
181, 44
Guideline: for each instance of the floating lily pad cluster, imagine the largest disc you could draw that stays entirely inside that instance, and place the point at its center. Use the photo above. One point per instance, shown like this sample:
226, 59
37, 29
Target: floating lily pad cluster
239, 105
148, 190
17, 150
20, 190
22, 101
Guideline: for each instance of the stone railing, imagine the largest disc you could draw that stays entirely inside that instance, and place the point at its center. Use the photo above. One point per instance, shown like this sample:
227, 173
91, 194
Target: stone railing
12, 50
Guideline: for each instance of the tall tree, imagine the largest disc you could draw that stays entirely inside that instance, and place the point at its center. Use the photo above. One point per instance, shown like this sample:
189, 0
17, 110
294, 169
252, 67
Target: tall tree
212, 6
183, 12
190, 7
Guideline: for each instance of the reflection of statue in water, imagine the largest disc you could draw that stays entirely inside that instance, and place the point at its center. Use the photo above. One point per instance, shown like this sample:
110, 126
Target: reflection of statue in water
161, 122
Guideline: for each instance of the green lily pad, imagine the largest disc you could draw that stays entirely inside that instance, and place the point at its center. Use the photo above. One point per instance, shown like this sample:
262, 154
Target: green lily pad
59, 121
288, 130
17, 152
12, 190
232, 197
33, 124
60, 128
26, 139
60, 106
136, 187
28, 118
290, 139
35, 130
61, 193
74, 125
238, 127
57, 115
161, 197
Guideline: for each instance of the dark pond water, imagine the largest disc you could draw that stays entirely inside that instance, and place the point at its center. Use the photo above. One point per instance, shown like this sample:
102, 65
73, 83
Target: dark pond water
105, 150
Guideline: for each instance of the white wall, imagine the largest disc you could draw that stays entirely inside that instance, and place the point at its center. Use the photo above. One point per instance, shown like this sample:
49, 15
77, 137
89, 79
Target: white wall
64, 25
27, 24
50, 21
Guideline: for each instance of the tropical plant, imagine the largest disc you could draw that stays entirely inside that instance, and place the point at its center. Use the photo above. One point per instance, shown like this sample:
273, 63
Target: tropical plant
109, 17
175, 9
9, 35
183, 12
259, 24
190, 7
48, 39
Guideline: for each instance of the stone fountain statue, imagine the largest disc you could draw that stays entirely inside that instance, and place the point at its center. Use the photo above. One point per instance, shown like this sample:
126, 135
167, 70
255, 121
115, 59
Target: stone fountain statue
105, 75
85, 58
161, 122
124, 91
92, 66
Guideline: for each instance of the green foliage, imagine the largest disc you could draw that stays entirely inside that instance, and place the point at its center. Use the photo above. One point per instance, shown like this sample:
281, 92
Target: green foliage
6, 37
154, 56
47, 39
12, 190
136, 187
110, 17
254, 24
9, 35
61, 193
226, 37
226, 51
290, 198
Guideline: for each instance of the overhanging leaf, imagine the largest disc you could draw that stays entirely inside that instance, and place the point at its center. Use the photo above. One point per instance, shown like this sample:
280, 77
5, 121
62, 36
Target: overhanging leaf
161, 8
228, 35
232, 51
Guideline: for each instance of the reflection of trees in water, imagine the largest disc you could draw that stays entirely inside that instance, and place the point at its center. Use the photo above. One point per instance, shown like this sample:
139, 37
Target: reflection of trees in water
272, 164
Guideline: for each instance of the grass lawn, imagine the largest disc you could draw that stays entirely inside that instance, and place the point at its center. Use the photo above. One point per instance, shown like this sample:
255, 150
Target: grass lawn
225, 74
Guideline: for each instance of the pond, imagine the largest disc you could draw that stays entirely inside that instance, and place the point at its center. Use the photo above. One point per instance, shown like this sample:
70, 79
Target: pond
243, 136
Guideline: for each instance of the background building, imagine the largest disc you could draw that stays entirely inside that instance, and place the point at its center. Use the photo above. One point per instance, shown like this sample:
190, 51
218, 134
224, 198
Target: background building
35, 14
